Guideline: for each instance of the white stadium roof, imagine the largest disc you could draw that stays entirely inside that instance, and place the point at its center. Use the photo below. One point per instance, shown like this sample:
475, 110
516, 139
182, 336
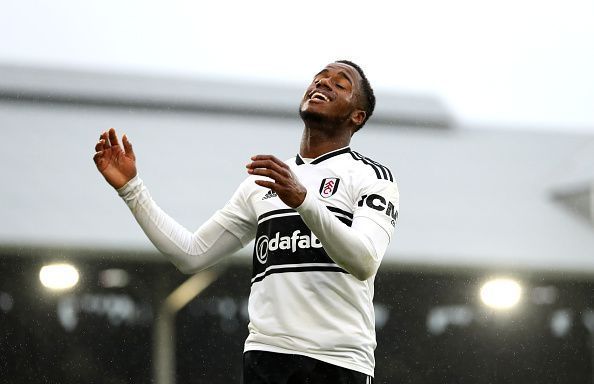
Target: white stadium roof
469, 198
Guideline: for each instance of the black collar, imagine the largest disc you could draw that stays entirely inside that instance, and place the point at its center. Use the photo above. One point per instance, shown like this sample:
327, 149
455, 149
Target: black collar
325, 156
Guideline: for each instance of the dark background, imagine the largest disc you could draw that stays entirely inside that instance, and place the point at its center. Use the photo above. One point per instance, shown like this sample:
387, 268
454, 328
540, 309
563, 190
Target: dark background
431, 327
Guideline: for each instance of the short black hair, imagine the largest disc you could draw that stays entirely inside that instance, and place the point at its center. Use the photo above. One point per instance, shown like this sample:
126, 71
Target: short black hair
368, 98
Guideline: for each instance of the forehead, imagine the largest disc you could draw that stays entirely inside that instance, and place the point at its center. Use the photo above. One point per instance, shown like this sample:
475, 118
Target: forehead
346, 70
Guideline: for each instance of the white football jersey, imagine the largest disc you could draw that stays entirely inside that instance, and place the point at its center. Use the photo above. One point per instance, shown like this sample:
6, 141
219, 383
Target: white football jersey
301, 302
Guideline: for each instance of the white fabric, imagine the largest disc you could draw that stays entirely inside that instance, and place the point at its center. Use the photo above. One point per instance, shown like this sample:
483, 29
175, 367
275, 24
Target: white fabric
306, 304
358, 249
189, 252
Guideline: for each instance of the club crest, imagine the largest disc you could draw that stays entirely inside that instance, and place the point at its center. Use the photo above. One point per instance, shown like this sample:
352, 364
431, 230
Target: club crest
329, 186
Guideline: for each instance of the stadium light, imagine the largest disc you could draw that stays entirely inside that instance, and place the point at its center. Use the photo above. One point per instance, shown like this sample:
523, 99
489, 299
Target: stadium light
58, 276
114, 278
501, 293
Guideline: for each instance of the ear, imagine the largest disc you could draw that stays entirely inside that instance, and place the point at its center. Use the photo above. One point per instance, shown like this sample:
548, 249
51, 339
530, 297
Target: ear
358, 117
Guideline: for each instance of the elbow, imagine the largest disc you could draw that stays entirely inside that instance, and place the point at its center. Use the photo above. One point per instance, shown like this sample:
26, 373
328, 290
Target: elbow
362, 265
190, 268
182, 265
361, 276
186, 269
368, 266
185, 261
364, 272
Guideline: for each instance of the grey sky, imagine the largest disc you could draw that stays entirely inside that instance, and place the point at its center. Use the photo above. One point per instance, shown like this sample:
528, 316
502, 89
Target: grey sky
501, 63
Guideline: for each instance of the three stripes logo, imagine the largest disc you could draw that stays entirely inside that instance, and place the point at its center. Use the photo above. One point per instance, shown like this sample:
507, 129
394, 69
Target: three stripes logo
381, 171
270, 194
329, 186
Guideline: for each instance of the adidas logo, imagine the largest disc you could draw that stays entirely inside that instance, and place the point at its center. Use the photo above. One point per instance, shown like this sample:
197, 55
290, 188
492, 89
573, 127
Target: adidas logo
270, 194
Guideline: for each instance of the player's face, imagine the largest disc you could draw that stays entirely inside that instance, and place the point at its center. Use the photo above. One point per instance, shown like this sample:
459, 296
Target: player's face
333, 94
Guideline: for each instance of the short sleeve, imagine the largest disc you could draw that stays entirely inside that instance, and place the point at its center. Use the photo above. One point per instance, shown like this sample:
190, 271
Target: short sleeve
379, 201
238, 216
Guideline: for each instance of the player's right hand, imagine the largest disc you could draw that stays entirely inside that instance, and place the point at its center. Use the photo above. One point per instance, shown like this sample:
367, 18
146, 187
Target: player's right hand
116, 164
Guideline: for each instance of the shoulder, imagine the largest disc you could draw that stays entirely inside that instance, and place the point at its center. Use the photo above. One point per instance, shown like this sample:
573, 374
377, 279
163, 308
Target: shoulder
372, 168
291, 161
248, 187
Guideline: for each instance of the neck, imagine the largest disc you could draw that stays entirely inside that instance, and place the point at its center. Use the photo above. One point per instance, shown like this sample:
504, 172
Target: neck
316, 142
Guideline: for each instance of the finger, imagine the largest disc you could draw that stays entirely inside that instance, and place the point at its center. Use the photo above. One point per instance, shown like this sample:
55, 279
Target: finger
263, 164
105, 139
98, 155
270, 157
268, 164
100, 146
113, 137
267, 173
128, 146
266, 184
266, 157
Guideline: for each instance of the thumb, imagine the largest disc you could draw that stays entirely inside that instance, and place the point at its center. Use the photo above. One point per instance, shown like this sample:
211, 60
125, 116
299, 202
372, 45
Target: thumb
128, 147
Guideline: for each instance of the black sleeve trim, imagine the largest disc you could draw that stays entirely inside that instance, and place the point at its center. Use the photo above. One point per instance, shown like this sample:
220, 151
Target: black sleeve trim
338, 210
381, 171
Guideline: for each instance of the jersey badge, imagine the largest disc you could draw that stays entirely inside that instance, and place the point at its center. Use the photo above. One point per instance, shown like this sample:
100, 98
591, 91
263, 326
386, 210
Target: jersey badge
329, 186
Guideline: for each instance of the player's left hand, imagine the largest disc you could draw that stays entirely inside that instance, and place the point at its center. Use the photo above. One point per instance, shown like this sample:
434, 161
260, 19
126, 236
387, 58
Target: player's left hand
284, 183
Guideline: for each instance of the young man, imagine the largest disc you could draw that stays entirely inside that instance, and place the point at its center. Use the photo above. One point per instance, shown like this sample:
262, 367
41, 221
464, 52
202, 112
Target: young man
321, 222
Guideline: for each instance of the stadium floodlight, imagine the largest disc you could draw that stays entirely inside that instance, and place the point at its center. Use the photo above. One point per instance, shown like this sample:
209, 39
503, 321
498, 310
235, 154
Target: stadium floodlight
501, 293
114, 278
58, 276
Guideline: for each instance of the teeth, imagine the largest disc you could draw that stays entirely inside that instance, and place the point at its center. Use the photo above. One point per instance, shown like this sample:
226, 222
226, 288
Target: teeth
320, 95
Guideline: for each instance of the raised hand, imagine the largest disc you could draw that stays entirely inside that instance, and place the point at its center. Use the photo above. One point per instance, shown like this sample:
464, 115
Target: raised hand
285, 183
116, 164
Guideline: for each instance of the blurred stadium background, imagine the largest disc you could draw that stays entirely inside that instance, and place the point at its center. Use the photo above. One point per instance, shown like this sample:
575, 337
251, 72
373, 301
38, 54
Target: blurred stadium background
476, 205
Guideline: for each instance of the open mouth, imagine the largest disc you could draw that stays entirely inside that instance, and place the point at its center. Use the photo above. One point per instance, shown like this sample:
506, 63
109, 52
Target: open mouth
318, 96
